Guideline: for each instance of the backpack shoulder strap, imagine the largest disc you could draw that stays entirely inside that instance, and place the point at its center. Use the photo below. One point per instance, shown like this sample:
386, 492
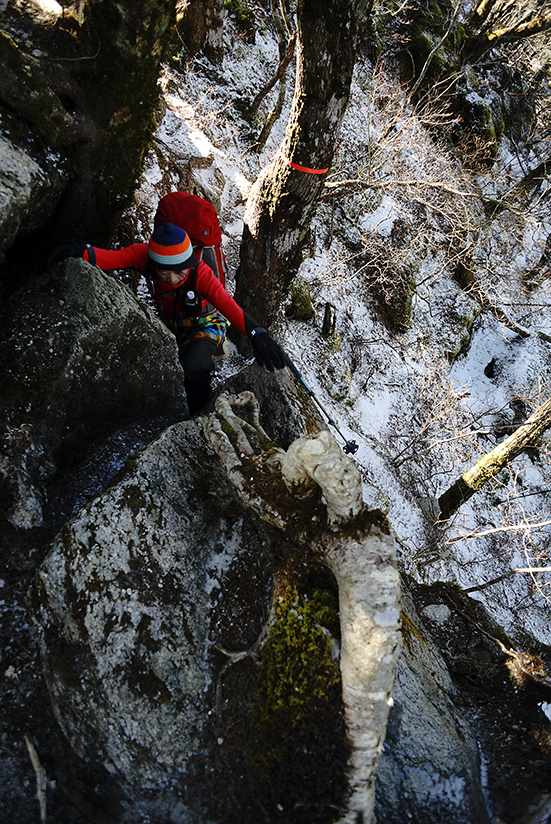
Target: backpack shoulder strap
191, 280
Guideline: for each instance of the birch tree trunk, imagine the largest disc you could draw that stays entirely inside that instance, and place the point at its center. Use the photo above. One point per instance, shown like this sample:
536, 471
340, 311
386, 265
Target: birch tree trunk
488, 466
284, 197
360, 553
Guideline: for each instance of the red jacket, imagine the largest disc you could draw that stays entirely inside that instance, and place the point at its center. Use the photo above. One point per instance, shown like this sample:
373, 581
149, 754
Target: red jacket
168, 300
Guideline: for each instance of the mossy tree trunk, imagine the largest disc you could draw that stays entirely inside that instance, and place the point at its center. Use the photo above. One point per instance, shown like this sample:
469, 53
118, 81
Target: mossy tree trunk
487, 467
283, 199
496, 23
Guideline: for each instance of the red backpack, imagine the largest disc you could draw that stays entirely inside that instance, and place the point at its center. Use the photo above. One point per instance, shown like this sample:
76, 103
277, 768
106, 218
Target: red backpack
198, 218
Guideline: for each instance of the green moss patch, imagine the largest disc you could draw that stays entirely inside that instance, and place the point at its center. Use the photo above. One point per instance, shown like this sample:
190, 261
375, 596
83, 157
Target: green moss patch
300, 302
298, 666
287, 751
243, 17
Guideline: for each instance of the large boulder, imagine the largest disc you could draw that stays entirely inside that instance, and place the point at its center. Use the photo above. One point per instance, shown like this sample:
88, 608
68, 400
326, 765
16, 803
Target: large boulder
79, 354
122, 606
168, 669
169, 567
150, 609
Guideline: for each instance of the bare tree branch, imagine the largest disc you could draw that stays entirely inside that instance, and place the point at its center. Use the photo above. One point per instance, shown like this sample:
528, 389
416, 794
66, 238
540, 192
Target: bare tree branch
512, 528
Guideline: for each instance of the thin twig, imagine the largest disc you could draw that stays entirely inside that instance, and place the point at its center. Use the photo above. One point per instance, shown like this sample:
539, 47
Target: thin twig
435, 49
506, 575
512, 528
41, 778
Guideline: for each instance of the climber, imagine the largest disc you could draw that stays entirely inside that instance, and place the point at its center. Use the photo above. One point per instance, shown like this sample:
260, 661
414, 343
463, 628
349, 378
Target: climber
190, 301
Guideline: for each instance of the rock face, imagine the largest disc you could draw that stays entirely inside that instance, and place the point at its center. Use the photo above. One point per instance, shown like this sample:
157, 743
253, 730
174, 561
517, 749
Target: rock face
123, 613
430, 768
49, 95
26, 194
79, 353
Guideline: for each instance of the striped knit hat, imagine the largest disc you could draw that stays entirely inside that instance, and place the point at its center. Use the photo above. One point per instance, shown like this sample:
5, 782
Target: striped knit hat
170, 248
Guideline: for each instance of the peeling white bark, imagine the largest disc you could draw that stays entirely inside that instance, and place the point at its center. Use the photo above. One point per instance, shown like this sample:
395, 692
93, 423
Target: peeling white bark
369, 607
364, 565
321, 460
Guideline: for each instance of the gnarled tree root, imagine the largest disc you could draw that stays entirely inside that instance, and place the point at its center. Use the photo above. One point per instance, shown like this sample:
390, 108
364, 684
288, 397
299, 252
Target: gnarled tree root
361, 557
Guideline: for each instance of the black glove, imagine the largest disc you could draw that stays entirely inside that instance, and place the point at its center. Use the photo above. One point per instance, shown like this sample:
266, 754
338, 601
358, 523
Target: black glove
266, 351
71, 248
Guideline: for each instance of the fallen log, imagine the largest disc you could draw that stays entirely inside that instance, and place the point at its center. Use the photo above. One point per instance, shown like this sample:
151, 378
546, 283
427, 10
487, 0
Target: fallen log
528, 434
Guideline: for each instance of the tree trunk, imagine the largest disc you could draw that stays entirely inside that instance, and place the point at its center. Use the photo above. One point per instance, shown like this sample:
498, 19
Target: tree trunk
476, 46
355, 545
283, 199
200, 27
487, 467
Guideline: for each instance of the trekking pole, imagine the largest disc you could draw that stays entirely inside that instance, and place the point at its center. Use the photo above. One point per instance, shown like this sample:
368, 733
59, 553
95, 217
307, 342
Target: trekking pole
350, 447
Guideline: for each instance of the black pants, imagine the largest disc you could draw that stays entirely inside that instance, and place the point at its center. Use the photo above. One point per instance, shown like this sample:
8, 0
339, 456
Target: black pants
197, 363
